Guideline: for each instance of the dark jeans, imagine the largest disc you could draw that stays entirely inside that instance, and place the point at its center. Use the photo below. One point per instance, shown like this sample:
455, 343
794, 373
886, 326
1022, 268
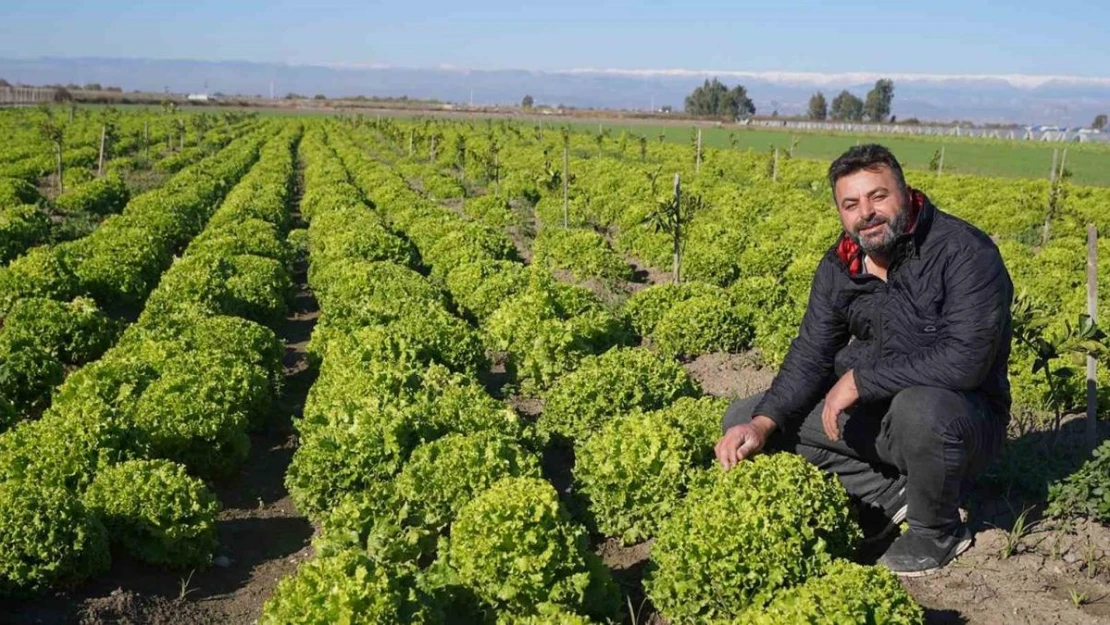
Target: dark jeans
939, 439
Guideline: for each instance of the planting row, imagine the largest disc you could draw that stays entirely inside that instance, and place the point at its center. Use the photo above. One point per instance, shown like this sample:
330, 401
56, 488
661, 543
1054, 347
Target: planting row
119, 457
27, 219
113, 269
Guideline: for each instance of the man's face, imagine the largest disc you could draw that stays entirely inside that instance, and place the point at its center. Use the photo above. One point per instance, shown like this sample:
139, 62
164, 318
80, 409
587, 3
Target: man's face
873, 209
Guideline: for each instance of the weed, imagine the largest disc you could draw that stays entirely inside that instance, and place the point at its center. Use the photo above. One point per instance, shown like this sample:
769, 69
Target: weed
184, 585
1021, 529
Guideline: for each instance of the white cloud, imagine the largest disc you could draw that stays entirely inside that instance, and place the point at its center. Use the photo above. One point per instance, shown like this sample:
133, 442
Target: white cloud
1021, 81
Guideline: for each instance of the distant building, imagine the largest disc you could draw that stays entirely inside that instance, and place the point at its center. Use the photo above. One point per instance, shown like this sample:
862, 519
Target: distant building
200, 97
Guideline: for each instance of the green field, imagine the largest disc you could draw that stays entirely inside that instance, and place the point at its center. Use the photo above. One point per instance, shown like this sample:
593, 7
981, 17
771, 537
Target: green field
1089, 164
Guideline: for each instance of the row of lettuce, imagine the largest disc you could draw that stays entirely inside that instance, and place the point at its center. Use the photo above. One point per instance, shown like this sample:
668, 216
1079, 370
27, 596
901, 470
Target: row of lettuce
29, 151
431, 495
113, 269
27, 219
119, 459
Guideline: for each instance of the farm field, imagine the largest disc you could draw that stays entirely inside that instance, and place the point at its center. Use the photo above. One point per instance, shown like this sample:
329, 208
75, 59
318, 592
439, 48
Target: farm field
370, 370
1086, 163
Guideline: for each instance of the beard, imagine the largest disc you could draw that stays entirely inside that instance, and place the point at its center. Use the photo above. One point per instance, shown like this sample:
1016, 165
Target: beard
881, 241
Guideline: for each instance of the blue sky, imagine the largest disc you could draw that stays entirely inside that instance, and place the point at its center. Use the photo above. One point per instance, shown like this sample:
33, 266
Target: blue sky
932, 36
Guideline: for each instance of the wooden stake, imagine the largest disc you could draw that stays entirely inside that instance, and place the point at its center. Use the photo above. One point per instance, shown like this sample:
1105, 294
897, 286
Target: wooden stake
775, 167
1092, 311
566, 180
146, 139
677, 232
433, 151
1051, 201
411, 137
61, 173
100, 162
697, 165
940, 166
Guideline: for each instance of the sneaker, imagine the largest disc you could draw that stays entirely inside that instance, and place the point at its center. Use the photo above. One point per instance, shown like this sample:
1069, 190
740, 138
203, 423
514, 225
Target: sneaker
915, 554
880, 519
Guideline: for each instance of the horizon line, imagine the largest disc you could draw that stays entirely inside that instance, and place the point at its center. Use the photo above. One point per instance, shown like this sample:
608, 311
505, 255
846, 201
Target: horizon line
1028, 81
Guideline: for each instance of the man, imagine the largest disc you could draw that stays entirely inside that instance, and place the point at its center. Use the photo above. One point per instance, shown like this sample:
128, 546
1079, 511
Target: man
897, 381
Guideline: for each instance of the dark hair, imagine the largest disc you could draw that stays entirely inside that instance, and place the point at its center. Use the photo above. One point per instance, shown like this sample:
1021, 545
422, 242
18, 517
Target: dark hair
869, 156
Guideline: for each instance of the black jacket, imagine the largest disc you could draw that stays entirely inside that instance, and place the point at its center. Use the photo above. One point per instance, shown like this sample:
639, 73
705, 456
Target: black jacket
941, 319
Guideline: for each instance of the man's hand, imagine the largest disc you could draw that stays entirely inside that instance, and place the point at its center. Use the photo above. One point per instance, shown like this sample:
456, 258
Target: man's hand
841, 397
744, 441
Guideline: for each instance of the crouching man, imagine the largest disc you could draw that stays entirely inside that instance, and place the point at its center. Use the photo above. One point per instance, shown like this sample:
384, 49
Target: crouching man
897, 381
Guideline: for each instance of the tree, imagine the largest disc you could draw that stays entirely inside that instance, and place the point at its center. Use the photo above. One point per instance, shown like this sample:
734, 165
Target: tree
879, 98
53, 131
527, 102
714, 98
201, 123
671, 217
846, 107
4, 83
818, 107
319, 96
738, 104
1100, 121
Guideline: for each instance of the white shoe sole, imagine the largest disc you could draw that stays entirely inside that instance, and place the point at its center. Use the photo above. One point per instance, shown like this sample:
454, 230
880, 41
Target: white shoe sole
960, 548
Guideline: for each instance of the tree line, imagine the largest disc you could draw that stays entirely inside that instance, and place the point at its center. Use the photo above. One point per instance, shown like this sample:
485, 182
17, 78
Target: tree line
716, 99
848, 107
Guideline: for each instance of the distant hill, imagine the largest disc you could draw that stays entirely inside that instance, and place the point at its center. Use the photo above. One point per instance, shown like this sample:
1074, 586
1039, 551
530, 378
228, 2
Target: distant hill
1021, 99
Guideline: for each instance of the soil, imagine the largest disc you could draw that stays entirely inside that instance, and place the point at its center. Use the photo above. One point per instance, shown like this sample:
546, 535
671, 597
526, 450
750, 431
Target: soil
1031, 587
644, 275
730, 375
